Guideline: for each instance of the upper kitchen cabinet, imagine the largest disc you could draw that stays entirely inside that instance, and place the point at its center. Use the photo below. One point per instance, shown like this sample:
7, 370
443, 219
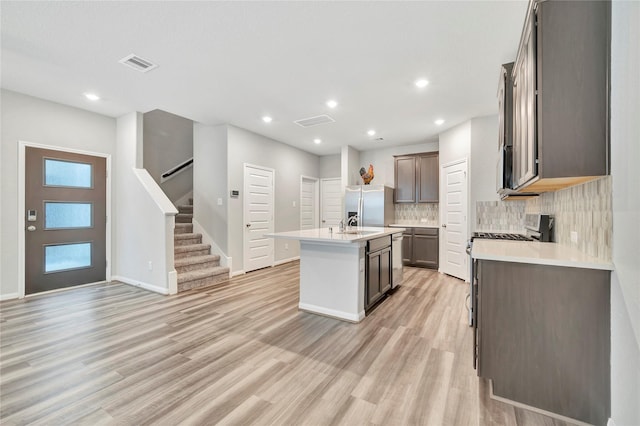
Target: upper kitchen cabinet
416, 178
561, 95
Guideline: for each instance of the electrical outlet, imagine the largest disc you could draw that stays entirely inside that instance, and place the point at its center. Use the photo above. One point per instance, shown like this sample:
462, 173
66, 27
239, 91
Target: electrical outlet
150, 265
574, 237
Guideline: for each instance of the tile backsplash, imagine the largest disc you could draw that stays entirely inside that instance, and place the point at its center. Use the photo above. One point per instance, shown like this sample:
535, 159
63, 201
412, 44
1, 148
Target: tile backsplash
500, 216
585, 209
427, 213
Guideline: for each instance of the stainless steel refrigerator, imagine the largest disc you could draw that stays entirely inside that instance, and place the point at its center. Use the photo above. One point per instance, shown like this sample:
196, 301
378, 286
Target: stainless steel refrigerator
373, 204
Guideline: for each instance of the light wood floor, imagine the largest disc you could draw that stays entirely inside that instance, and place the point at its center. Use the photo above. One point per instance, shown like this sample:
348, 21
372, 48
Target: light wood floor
242, 353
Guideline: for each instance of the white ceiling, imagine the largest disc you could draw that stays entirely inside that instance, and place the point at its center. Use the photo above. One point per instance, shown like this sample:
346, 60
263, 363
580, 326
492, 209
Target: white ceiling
233, 62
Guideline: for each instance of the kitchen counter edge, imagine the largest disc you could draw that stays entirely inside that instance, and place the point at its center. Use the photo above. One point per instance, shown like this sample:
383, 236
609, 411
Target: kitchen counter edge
537, 253
322, 235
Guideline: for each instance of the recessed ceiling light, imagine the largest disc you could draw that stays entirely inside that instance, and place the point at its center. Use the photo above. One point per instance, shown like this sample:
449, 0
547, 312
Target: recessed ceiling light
422, 83
439, 122
332, 104
92, 96
267, 119
371, 132
317, 141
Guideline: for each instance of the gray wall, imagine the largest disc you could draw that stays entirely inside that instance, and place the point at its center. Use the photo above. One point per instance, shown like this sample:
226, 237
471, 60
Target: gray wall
289, 163
330, 166
168, 141
29, 119
383, 162
482, 164
625, 155
210, 182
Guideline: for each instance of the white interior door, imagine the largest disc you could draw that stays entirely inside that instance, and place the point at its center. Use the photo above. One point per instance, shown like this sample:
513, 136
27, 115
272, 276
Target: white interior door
331, 202
454, 221
258, 217
308, 203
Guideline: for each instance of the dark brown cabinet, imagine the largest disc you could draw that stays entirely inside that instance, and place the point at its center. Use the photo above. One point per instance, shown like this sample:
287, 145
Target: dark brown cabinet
420, 247
561, 95
416, 178
378, 270
543, 336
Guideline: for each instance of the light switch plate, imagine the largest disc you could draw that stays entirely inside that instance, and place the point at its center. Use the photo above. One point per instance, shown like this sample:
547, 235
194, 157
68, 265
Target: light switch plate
219, 201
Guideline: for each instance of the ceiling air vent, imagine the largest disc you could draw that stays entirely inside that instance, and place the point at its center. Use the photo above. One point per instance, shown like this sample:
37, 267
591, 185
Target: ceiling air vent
137, 63
314, 121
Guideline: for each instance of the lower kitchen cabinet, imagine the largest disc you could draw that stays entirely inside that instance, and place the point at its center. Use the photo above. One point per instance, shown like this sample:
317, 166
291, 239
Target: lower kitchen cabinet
543, 336
378, 270
420, 247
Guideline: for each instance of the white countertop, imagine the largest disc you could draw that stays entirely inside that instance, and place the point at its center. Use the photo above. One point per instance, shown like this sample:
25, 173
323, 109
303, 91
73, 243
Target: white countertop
414, 225
536, 253
323, 235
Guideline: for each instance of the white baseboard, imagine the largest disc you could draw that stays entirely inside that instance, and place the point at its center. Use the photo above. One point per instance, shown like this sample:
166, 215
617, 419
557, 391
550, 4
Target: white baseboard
215, 249
611, 422
345, 316
283, 261
146, 286
8, 296
236, 273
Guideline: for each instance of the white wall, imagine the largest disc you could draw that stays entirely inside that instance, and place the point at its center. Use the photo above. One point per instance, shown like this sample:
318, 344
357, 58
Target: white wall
350, 166
289, 163
625, 156
330, 166
168, 141
383, 162
25, 118
143, 221
482, 163
210, 176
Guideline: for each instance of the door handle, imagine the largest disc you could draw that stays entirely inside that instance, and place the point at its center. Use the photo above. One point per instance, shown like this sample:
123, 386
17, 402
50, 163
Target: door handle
31, 228
444, 225
248, 225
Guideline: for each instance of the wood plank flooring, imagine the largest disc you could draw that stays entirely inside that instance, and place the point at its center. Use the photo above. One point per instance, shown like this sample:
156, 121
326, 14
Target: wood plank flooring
241, 353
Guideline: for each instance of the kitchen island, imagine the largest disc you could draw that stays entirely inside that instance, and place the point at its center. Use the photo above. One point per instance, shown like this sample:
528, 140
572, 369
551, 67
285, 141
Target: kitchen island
332, 269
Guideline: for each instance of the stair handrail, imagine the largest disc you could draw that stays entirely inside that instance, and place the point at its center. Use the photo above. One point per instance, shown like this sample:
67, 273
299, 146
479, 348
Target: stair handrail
176, 170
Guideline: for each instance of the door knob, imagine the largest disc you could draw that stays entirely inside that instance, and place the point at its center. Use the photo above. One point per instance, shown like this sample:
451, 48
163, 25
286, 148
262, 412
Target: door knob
444, 225
248, 225
31, 228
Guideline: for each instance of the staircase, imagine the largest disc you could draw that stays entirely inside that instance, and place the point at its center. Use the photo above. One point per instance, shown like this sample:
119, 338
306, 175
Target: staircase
195, 264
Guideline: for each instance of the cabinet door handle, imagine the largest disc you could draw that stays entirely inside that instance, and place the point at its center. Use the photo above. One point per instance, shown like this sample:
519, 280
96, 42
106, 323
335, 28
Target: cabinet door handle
444, 225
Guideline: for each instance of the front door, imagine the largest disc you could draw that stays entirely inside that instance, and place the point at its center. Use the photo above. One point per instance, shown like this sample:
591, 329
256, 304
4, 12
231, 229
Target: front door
454, 223
258, 217
65, 219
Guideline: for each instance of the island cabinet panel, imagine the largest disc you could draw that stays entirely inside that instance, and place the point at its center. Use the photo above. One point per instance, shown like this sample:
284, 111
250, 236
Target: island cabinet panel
420, 247
416, 178
378, 270
544, 337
